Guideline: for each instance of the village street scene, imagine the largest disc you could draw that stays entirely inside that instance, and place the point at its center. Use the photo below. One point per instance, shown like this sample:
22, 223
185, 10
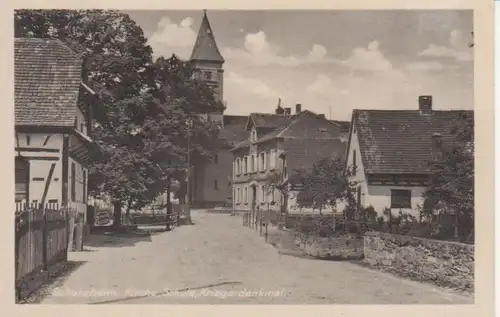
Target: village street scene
236, 157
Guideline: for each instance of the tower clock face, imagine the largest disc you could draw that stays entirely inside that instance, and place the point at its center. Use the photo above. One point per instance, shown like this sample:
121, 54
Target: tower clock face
208, 75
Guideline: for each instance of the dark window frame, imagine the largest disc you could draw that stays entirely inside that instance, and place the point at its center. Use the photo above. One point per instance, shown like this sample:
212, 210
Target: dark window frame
354, 162
216, 185
73, 182
84, 186
401, 198
22, 176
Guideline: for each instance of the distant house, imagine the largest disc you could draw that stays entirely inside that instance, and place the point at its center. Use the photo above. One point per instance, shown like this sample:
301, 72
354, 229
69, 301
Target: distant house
277, 145
390, 151
53, 115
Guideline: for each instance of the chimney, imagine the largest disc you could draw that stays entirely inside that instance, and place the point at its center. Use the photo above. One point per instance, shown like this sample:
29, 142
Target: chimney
288, 111
298, 108
425, 104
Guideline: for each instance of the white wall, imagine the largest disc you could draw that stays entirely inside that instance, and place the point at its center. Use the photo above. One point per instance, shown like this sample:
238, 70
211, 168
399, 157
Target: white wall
81, 123
79, 202
39, 168
380, 198
360, 171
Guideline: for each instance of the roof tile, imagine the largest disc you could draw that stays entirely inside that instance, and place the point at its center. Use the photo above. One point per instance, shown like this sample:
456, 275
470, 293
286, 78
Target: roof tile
47, 77
400, 141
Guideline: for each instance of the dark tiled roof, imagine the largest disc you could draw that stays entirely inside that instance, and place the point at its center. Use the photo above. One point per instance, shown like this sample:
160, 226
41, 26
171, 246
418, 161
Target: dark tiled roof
47, 77
304, 128
234, 119
306, 125
234, 129
205, 47
344, 125
303, 153
268, 120
399, 141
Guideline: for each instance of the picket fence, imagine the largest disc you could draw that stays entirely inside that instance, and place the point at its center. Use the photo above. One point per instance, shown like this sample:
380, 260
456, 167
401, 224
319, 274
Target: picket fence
41, 240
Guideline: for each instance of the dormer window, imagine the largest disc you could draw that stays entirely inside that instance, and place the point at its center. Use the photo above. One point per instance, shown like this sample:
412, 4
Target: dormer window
253, 136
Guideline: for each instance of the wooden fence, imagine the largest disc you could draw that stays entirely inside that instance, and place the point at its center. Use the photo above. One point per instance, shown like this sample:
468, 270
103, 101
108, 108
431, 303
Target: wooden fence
41, 240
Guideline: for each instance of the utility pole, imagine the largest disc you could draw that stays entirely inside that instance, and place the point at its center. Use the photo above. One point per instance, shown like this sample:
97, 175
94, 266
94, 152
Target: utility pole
168, 216
188, 188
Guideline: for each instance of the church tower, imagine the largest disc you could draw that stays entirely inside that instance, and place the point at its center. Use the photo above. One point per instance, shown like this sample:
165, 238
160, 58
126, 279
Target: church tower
208, 63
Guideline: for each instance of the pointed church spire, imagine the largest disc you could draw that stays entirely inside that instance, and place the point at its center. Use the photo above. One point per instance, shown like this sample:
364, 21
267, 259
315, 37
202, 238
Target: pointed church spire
205, 47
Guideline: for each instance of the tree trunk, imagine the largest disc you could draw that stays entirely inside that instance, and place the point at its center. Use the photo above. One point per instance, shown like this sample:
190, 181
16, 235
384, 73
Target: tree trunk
79, 233
169, 217
117, 213
127, 212
457, 222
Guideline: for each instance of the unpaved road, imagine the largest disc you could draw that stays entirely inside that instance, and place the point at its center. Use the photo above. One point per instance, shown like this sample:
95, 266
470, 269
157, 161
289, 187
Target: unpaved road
218, 261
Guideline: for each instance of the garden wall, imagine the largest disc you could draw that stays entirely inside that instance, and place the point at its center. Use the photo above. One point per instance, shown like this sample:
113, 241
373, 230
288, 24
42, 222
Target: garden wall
448, 264
341, 247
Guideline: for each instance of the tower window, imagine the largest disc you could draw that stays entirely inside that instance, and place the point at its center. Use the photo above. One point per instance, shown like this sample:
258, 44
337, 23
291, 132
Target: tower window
208, 75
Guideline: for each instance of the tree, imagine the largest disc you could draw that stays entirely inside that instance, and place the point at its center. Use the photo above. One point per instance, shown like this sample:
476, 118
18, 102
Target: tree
451, 184
327, 184
142, 126
115, 55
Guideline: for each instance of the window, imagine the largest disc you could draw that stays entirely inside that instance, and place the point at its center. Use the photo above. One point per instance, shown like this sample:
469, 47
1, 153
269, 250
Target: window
263, 193
359, 197
246, 165
273, 158
28, 140
400, 198
238, 196
216, 159
253, 168
22, 179
216, 185
238, 166
245, 195
263, 161
354, 163
73, 182
84, 187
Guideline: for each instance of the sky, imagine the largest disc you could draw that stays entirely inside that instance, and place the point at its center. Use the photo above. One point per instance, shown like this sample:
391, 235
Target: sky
331, 62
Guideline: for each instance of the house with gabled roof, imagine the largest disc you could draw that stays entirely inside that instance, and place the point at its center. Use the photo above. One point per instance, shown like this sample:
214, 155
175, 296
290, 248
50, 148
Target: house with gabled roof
53, 124
280, 144
390, 152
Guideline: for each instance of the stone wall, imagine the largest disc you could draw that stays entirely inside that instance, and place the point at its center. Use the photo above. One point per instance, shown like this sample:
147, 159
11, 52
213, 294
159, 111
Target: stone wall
341, 247
448, 264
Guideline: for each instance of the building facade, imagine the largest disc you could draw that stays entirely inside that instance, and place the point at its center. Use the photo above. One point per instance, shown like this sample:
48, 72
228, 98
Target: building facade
390, 151
276, 146
53, 113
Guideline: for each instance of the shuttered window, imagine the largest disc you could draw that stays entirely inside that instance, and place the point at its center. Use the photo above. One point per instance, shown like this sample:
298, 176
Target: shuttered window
400, 198
22, 179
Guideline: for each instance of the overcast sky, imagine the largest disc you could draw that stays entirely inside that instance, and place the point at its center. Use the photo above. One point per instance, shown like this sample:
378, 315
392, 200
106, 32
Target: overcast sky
338, 60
